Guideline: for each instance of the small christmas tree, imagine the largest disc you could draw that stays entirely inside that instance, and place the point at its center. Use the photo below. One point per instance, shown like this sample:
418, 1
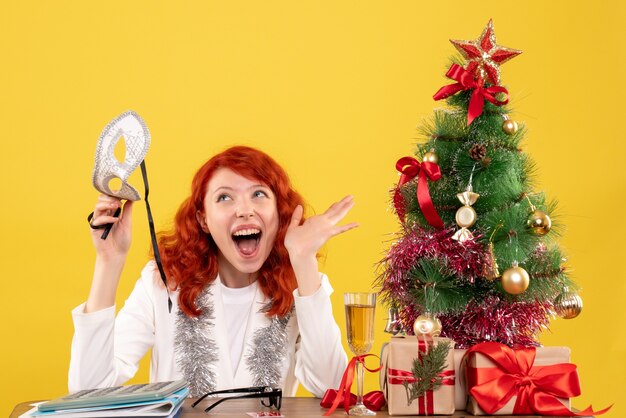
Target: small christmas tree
476, 259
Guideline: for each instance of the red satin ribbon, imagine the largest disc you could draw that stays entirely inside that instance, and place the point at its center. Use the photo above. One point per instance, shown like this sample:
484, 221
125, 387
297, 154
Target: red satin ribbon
536, 387
409, 168
398, 377
373, 400
346, 383
465, 81
425, 403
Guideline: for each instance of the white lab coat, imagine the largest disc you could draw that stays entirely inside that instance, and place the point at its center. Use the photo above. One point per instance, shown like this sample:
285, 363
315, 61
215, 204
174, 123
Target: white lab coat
106, 349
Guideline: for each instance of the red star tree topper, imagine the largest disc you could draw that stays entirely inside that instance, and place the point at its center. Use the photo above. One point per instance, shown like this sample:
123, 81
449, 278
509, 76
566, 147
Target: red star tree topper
484, 56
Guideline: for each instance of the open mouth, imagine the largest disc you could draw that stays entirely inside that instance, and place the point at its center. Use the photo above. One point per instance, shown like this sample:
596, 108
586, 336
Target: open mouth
247, 240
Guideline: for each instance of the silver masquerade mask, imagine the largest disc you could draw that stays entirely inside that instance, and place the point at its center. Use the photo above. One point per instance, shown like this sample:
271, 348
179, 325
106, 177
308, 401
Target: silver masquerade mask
133, 130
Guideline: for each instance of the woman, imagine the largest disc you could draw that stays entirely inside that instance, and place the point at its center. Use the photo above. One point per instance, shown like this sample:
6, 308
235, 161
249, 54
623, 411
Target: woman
250, 307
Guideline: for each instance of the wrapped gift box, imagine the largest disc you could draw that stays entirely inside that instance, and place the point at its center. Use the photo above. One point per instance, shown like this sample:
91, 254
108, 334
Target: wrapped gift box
479, 369
397, 363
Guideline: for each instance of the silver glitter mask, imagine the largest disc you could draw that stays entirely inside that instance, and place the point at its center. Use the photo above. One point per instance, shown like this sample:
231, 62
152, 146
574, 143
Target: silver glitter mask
133, 130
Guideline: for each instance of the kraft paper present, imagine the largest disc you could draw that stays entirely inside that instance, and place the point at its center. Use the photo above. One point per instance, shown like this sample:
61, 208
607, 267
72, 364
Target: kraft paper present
397, 357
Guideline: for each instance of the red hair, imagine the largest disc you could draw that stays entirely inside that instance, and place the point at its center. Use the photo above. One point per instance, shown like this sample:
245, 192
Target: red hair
189, 255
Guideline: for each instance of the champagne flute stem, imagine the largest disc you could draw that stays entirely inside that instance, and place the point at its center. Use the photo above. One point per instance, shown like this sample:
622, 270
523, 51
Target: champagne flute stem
359, 382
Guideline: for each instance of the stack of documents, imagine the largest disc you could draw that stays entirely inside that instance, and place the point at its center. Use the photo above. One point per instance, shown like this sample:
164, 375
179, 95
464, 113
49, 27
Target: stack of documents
161, 399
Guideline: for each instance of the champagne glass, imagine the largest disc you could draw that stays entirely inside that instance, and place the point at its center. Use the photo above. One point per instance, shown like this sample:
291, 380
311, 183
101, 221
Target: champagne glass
360, 328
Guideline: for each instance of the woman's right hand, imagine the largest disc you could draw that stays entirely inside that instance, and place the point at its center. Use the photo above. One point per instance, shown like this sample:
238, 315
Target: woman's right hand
118, 241
111, 252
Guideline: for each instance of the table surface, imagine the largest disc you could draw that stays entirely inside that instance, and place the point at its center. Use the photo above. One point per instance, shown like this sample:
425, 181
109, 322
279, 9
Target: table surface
291, 407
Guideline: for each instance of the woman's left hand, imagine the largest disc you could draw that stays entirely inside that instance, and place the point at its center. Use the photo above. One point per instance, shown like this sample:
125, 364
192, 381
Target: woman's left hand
304, 241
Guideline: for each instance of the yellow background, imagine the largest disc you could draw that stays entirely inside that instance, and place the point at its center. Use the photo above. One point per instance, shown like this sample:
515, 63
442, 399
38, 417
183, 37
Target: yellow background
333, 90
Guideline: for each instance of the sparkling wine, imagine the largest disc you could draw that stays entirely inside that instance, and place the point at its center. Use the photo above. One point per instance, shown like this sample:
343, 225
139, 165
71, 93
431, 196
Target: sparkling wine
360, 328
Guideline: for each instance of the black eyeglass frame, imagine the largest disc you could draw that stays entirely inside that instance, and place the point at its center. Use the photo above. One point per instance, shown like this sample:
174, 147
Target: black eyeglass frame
275, 396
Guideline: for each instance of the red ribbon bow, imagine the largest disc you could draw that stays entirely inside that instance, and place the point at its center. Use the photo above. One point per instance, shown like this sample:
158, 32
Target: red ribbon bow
346, 383
536, 387
465, 81
409, 167
373, 400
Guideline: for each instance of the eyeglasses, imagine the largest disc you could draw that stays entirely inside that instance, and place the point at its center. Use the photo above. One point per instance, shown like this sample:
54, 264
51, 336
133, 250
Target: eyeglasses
274, 396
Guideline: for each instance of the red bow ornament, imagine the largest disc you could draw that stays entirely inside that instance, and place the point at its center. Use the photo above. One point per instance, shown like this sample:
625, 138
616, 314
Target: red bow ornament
537, 387
409, 168
465, 81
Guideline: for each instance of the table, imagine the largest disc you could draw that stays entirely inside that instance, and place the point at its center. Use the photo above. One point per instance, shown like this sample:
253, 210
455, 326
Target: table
291, 408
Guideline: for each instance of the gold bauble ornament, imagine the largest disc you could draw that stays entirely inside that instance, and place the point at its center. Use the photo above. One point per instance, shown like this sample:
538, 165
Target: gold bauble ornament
427, 325
539, 222
509, 127
568, 305
430, 157
515, 280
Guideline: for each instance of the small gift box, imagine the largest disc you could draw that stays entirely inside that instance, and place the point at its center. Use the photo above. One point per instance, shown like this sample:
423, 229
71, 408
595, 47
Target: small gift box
526, 381
410, 369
